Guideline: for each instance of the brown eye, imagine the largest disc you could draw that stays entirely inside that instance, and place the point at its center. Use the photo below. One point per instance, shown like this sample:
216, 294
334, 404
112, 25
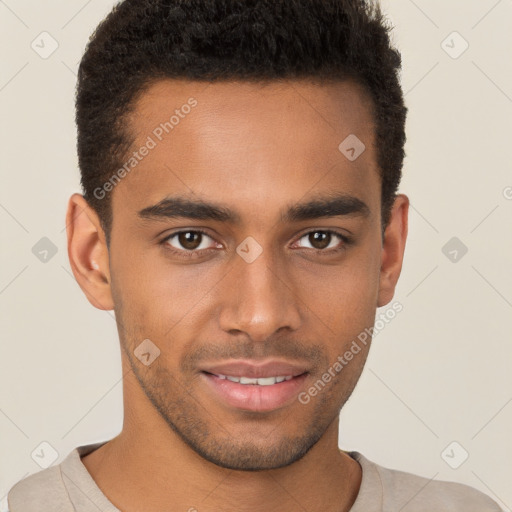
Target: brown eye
320, 239
189, 241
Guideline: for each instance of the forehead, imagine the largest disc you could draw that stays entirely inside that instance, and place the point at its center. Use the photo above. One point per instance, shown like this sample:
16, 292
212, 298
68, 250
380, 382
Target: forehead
248, 142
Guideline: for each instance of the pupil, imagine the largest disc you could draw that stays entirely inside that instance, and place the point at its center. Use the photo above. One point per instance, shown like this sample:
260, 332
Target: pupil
320, 239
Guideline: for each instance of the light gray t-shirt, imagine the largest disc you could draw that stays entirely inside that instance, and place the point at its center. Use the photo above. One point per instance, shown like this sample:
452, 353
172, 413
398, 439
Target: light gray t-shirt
68, 487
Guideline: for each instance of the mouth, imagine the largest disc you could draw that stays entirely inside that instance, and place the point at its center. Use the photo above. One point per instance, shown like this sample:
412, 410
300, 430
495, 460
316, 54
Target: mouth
258, 388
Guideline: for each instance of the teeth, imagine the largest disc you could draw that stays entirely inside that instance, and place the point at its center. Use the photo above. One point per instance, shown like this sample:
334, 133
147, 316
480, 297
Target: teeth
262, 381
247, 380
266, 381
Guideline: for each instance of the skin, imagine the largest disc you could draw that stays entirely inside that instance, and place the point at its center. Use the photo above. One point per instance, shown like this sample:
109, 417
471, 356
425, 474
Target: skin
256, 150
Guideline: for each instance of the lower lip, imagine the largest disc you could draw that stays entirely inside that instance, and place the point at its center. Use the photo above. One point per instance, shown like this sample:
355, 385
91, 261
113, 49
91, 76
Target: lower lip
252, 397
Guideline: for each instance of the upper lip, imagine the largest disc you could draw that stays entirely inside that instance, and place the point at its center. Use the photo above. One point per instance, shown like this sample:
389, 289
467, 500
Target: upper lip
269, 368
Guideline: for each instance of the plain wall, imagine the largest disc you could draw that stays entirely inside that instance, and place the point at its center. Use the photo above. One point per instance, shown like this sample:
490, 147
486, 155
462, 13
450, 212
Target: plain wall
439, 372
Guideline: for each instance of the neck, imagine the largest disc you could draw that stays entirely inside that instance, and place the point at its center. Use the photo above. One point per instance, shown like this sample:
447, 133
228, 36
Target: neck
155, 472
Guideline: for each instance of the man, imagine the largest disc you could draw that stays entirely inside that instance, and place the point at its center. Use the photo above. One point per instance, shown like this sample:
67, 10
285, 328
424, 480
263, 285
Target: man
240, 163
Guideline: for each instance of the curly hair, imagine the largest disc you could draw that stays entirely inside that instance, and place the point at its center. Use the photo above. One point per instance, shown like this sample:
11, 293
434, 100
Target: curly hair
143, 41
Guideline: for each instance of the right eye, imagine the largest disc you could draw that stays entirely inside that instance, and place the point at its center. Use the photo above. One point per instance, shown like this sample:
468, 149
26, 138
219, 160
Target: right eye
192, 240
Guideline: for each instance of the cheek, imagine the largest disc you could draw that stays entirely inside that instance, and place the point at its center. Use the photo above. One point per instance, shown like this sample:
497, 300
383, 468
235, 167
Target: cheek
342, 298
157, 295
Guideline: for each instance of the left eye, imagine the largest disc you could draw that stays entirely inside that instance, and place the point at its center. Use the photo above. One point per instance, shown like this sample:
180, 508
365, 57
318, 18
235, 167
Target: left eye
321, 240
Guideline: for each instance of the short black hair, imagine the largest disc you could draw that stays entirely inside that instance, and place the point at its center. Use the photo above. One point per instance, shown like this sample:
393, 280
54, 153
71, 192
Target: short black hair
143, 41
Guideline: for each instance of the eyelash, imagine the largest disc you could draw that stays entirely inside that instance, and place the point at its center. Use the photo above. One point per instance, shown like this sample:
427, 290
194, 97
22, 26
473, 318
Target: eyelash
187, 254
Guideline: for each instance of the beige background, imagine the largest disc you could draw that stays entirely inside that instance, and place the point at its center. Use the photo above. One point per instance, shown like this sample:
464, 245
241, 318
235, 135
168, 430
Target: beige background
438, 373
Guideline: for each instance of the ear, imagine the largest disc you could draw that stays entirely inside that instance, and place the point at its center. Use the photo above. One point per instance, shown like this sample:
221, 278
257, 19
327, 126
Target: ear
393, 248
88, 252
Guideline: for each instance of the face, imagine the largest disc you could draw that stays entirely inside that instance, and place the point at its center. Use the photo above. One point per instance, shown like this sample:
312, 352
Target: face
246, 250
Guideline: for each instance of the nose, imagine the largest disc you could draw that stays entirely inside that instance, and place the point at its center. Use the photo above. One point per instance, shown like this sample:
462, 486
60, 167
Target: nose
259, 299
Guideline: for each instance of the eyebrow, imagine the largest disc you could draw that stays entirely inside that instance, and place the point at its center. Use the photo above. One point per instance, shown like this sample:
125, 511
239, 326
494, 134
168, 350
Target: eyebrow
331, 206
321, 207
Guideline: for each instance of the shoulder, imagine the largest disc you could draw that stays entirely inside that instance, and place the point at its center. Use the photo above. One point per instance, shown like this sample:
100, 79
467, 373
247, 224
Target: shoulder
412, 493
47, 484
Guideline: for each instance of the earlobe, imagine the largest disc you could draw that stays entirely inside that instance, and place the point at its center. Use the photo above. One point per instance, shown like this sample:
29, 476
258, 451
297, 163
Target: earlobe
88, 252
393, 249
